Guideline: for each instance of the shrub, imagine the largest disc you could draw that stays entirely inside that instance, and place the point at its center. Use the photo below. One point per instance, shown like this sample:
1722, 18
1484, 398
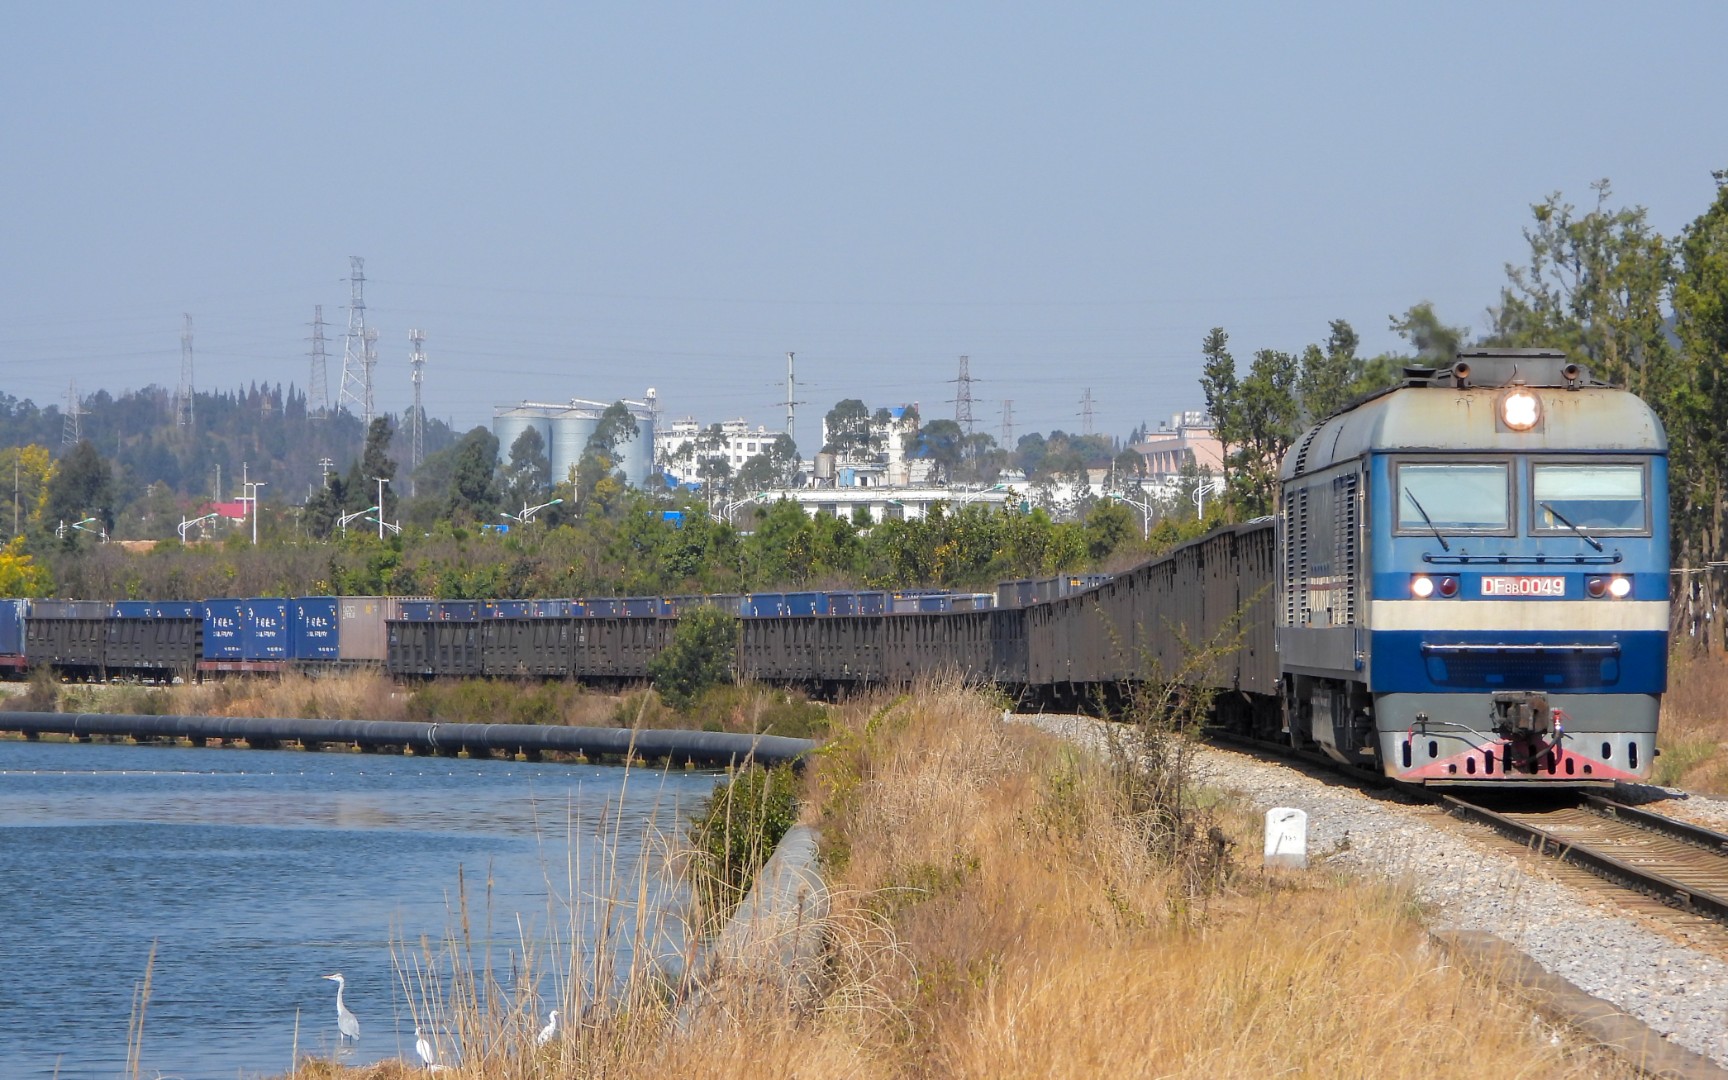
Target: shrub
735, 832
699, 656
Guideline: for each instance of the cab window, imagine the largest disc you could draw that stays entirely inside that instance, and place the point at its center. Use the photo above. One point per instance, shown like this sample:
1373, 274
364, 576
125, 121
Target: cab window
1594, 496
1455, 497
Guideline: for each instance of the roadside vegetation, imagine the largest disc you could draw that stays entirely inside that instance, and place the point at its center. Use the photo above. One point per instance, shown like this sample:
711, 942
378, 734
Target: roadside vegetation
1005, 903
1693, 736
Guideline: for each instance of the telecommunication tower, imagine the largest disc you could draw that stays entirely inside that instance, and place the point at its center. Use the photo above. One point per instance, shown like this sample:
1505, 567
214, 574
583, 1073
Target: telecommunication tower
183, 397
317, 386
417, 415
356, 391
1086, 412
72, 429
962, 398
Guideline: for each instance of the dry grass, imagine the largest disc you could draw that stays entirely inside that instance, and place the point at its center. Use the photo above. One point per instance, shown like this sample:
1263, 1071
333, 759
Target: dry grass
1694, 729
1001, 908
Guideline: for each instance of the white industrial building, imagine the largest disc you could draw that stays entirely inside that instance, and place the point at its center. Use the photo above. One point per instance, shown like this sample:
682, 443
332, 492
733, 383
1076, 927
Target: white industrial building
738, 443
565, 428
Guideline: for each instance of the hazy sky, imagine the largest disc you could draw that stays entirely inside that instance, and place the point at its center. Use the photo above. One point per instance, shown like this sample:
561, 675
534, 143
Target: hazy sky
585, 200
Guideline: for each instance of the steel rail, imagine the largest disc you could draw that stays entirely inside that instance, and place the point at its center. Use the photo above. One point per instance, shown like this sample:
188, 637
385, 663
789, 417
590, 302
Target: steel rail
1660, 886
1697, 835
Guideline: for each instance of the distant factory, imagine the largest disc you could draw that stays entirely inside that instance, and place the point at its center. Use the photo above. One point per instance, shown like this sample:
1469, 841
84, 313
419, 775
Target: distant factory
566, 428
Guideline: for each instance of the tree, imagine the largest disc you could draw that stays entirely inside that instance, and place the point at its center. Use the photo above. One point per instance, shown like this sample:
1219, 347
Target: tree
1436, 344
850, 434
598, 483
375, 464
699, 656
81, 486
775, 467
1328, 376
30, 467
473, 487
529, 473
20, 575
943, 442
1695, 408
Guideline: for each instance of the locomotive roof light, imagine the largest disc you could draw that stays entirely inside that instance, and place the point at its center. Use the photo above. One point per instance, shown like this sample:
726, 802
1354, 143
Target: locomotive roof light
1520, 410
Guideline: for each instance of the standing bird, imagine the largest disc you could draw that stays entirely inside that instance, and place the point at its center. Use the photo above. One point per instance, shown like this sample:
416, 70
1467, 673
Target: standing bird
423, 1047
347, 1026
549, 1030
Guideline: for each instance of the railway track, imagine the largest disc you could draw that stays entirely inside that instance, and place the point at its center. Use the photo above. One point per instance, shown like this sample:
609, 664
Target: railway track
1683, 865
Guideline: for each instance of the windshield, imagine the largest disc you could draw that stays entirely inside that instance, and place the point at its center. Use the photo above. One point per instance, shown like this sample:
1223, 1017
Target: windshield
1454, 498
1596, 498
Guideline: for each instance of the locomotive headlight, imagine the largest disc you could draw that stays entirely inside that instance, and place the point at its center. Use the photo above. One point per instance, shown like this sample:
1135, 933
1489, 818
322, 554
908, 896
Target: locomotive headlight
1520, 410
1422, 586
1619, 587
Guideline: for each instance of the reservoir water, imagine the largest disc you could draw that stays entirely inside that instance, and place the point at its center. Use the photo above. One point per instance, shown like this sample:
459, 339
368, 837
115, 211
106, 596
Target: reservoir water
253, 873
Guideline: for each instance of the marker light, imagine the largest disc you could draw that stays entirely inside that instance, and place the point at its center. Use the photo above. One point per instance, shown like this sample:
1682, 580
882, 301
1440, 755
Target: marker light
1597, 587
1448, 586
1521, 410
1422, 586
1619, 587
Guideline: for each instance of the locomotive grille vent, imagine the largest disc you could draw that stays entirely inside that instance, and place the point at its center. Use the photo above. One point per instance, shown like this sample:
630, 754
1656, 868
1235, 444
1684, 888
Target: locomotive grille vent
1346, 546
1302, 451
1295, 562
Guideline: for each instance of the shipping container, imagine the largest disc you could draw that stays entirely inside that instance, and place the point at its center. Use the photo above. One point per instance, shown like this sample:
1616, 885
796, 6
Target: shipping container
12, 614
224, 630
361, 636
68, 609
153, 639
603, 607
644, 607
316, 629
507, 609
419, 610
267, 632
457, 611
132, 609
550, 609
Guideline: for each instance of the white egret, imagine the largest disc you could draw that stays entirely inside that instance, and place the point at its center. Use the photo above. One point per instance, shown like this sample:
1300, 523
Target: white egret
347, 1026
549, 1030
423, 1047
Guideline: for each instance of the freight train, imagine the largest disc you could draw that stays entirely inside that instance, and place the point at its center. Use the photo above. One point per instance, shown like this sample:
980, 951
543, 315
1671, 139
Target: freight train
1466, 582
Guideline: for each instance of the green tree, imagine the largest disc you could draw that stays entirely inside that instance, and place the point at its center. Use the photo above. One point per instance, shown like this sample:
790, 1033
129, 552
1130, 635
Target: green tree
81, 486
473, 496
1328, 376
775, 467
943, 442
1694, 406
699, 656
1265, 417
599, 485
529, 474
850, 434
1436, 344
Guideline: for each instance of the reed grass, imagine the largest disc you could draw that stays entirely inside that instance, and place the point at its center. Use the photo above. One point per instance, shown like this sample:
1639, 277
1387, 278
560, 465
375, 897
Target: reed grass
1693, 735
1005, 904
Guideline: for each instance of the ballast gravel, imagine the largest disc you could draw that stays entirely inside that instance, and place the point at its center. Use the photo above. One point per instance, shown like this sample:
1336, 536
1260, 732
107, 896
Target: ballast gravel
1678, 991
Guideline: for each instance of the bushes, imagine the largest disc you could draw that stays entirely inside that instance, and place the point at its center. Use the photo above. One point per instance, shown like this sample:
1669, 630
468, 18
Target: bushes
735, 832
699, 656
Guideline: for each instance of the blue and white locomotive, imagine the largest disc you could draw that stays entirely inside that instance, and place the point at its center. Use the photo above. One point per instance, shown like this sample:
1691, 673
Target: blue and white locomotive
1474, 576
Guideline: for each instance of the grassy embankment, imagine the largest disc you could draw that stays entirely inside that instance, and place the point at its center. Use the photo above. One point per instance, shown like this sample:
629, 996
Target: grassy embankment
1694, 731
1006, 905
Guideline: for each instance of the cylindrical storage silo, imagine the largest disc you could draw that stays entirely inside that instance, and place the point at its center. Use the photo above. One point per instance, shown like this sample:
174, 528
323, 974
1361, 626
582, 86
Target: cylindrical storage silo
636, 456
509, 422
571, 430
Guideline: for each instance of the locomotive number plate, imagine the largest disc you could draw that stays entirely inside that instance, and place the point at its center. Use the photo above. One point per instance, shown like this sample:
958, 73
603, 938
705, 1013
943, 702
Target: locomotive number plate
1523, 586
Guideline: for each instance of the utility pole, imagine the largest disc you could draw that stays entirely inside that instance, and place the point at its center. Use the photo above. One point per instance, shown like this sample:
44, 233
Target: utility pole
962, 398
356, 391
791, 401
317, 386
417, 415
71, 429
183, 399
381, 482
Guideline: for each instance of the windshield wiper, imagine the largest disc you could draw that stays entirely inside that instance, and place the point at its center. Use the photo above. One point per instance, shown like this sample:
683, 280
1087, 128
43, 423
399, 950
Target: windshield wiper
1408, 494
1591, 540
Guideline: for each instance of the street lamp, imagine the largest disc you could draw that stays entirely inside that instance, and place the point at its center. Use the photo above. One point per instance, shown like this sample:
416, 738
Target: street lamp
382, 525
253, 499
342, 522
528, 512
381, 482
1145, 509
60, 532
187, 523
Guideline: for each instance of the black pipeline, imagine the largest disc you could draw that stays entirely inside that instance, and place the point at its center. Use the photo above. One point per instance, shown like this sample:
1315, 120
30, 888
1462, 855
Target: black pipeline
698, 747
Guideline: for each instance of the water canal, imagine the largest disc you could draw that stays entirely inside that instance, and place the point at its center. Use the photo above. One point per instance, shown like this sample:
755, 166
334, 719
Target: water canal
253, 873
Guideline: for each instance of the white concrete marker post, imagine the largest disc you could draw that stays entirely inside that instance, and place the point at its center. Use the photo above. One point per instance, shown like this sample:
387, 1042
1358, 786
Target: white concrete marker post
1287, 837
